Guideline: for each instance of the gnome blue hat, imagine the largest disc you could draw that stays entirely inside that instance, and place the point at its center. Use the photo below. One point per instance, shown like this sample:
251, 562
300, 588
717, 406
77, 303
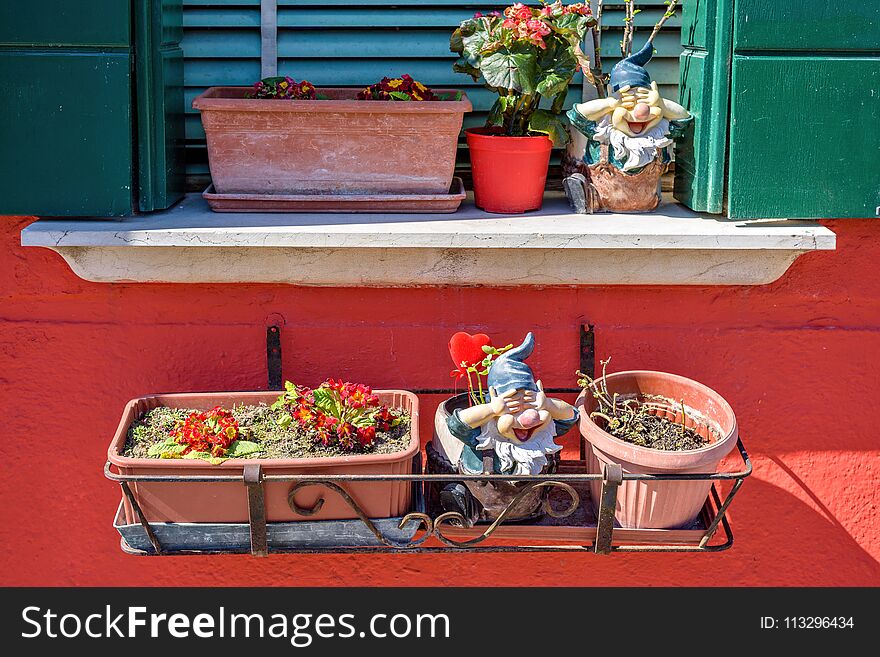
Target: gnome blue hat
631, 71
509, 372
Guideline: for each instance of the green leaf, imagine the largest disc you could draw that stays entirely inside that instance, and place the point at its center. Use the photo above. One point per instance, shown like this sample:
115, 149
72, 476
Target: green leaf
499, 110
511, 68
205, 456
243, 448
284, 420
551, 125
463, 65
456, 42
325, 401
398, 95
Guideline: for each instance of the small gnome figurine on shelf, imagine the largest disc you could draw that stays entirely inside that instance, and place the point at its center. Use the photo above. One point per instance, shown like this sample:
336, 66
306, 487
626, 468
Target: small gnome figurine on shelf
512, 433
628, 139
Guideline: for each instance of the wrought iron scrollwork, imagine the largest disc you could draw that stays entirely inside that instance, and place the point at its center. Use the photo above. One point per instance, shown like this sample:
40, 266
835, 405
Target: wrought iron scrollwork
432, 527
422, 518
454, 516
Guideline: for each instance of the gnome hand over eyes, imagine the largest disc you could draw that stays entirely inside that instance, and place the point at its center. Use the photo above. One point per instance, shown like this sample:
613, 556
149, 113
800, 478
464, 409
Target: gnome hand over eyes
502, 404
650, 96
536, 399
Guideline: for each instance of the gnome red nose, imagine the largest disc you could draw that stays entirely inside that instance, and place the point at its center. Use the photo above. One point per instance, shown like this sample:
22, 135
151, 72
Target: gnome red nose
642, 112
529, 418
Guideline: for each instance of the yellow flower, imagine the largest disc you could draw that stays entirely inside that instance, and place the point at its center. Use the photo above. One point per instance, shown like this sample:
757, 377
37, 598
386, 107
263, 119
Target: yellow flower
418, 85
395, 83
415, 95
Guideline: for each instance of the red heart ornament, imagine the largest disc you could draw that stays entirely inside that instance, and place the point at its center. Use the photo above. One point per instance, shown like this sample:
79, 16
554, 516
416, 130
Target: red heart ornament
467, 348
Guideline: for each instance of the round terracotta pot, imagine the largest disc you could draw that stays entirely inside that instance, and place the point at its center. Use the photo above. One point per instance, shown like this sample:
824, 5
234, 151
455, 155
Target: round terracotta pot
660, 504
509, 172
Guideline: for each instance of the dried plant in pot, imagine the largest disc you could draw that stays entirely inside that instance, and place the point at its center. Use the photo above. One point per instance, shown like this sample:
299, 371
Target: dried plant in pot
337, 428
655, 423
506, 426
622, 140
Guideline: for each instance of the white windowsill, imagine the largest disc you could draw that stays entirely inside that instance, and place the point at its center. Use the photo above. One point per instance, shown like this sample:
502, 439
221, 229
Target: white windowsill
191, 244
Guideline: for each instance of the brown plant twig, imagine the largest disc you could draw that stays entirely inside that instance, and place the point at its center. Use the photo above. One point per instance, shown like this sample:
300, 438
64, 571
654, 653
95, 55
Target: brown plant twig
628, 27
670, 12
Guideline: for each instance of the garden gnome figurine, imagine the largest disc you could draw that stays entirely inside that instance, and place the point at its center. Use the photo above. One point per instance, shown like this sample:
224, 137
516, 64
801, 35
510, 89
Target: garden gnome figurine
513, 433
627, 138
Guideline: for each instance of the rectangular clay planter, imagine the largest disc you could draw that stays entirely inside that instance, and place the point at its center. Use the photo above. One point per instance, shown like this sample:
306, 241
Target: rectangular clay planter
379, 203
337, 146
227, 501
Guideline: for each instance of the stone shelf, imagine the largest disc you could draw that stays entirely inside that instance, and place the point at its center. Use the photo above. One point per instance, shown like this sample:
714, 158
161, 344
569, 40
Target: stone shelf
190, 244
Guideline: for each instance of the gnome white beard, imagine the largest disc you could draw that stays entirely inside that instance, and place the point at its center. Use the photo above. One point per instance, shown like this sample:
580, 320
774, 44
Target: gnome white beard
638, 151
527, 458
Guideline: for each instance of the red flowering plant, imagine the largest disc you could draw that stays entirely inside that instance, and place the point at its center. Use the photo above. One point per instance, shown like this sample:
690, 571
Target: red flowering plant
210, 435
473, 356
402, 88
284, 88
528, 56
337, 413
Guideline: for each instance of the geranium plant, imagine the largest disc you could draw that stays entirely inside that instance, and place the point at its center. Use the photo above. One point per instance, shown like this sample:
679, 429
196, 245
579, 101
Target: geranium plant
525, 55
284, 88
336, 413
473, 356
210, 435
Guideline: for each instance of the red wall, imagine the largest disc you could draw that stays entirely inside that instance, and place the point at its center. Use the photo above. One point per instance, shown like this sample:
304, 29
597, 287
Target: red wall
798, 360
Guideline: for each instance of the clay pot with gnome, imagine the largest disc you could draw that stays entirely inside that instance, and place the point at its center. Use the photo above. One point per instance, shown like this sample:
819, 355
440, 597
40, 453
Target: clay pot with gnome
622, 141
507, 427
528, 56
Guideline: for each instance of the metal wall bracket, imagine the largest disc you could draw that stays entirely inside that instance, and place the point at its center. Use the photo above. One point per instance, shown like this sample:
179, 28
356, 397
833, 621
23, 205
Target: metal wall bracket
612, 477
273, 356
253, 479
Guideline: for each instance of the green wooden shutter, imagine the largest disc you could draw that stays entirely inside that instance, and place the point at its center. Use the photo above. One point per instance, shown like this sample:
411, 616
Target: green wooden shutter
354, 43
74, 118
787, 97
65, 114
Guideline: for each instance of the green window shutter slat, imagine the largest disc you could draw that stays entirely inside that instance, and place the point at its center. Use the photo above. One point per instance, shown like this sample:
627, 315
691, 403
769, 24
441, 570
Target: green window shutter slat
356, 42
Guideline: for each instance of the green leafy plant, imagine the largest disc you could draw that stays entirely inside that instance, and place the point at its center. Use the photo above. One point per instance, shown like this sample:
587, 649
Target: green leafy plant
525, 55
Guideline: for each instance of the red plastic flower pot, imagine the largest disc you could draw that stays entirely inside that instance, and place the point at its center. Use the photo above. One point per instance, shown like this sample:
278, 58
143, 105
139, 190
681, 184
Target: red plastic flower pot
509, 172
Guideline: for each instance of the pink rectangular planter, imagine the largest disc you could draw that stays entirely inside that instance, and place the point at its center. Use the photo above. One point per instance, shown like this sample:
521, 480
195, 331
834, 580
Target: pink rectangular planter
337, 146
227, 502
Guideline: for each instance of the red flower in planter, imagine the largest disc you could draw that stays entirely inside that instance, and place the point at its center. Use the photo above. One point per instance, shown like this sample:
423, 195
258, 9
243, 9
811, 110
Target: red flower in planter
207, 431
336, 413
366, 436
404, 88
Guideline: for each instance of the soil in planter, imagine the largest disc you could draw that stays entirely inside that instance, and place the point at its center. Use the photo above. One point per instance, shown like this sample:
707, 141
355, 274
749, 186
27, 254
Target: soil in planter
258, 424
643, 428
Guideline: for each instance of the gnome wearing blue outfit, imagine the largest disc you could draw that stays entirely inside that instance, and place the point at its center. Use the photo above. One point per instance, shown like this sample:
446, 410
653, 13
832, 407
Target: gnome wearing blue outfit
634, 123
513, 433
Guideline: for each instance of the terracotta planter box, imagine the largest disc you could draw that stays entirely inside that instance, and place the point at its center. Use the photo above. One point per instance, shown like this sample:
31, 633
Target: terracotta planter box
227, 501
660, 504
335, 146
